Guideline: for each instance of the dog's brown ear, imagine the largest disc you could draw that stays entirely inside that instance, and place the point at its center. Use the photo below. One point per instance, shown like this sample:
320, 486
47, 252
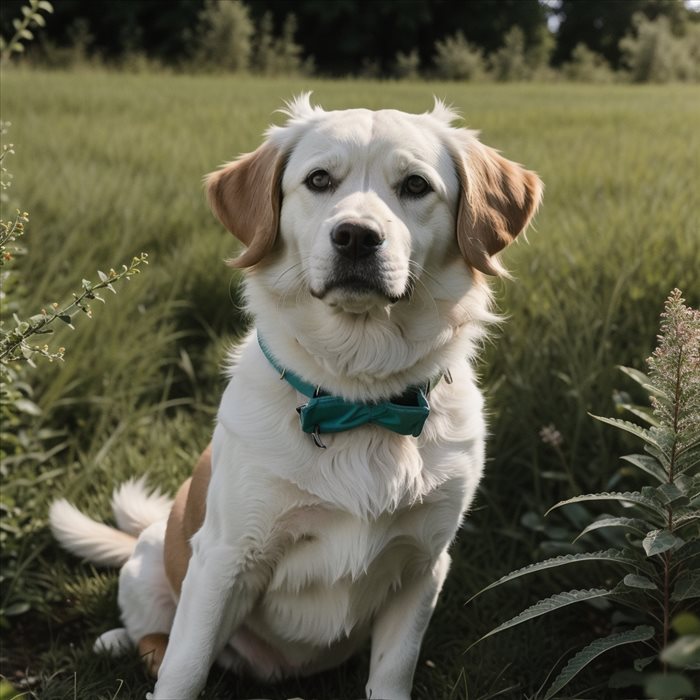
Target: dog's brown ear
497, 200
246, 197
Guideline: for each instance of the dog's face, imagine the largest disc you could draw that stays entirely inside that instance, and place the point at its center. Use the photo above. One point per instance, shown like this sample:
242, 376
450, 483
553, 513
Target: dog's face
357, 207
370, 196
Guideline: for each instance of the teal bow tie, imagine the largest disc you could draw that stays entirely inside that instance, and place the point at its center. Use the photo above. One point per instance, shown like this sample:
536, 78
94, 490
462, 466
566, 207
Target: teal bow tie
405, 414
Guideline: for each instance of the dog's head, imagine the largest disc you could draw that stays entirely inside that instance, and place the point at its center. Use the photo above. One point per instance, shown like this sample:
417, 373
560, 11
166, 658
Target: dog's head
358, 207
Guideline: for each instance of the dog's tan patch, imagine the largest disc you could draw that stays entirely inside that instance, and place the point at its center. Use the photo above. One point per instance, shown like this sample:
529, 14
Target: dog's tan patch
152, 650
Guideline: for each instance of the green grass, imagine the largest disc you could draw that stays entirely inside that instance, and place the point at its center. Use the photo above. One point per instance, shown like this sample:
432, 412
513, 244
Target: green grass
110, 165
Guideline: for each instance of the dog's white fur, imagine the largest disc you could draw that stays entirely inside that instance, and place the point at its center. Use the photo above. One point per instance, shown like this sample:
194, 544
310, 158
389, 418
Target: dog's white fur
305, 553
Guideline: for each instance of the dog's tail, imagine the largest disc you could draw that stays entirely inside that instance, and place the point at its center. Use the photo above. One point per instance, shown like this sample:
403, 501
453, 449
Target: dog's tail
134, 507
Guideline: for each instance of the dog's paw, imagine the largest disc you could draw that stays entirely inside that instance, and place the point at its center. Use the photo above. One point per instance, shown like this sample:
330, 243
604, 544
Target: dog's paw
114, 642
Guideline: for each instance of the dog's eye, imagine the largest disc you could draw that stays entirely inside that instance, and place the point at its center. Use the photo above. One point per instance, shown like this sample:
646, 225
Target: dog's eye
318, 181
415, 186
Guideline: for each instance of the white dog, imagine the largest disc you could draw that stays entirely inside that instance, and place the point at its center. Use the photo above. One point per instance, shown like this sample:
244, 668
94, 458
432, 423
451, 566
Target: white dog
350, 438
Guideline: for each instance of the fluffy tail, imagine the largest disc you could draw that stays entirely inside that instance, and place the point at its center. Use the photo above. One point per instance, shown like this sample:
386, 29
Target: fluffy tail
134, 510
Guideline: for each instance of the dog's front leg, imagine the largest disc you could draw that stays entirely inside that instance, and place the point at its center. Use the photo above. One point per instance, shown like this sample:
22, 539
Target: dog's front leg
215, 598
398, 631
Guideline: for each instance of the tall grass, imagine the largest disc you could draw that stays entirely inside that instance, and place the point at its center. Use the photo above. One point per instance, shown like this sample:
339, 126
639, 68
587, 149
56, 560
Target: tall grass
111, 165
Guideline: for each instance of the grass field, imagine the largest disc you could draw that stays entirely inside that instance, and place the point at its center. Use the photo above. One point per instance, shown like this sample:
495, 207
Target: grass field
110, 165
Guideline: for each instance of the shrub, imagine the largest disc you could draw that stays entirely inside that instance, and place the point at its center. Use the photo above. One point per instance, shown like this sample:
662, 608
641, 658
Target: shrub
278, 55
456, 59
661, 525
509, 63
224, 36
653, 54
407, 65
587, 66
538, 55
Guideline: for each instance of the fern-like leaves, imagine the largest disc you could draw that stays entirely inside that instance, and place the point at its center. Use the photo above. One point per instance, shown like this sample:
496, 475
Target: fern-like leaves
640, 499
612, 555
548, 605
590, 652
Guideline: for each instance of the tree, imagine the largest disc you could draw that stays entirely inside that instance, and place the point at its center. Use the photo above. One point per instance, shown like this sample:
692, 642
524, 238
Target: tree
344, 34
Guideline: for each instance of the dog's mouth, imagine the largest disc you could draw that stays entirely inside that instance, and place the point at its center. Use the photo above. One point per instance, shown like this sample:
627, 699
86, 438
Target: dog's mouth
357, 288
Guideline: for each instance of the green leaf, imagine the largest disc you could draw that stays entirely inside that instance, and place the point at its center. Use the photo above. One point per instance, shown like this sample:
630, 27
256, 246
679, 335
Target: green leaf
668, 686
688, 459
45, 5
687, 551
659, 541
641, 664
685, 623
16, 609
689, 485
548, 605
643, 413
687, 586
641, 379
633, 428
103, 277
636, 524
626, 497
613, 555
637, 581
66, 319
594, 650
649, 465
39, 20
28, 407
670, 494
683, 653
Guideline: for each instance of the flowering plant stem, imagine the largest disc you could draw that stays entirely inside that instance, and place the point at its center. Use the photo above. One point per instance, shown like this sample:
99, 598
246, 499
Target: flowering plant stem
13, 343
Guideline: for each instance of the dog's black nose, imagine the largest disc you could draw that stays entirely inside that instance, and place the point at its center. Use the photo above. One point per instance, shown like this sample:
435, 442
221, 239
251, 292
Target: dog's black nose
355, 241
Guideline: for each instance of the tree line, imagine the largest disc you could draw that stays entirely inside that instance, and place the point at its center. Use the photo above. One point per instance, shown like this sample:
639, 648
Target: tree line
590, 40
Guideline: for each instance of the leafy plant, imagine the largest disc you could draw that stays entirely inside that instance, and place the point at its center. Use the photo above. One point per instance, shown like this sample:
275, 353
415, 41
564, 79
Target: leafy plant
31, 17
14, 343
22, 437
653, 53
407, 65
456, 59
660, 562
224, 38
510, 61
587, 66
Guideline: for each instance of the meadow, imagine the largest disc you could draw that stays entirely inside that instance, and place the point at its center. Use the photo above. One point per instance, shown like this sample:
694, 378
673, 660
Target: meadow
110, 165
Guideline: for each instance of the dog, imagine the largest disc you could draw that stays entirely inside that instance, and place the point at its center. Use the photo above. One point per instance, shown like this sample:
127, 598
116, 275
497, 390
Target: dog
349, 441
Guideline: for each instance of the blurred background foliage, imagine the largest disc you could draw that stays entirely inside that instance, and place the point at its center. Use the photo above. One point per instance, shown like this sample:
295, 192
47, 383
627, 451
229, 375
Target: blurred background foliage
591, 40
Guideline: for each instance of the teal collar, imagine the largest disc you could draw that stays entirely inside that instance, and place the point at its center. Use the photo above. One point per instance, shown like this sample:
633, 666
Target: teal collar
323, 413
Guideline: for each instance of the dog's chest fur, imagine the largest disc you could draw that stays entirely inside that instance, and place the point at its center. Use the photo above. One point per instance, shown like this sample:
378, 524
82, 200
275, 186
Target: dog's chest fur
340, 527
337, 572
